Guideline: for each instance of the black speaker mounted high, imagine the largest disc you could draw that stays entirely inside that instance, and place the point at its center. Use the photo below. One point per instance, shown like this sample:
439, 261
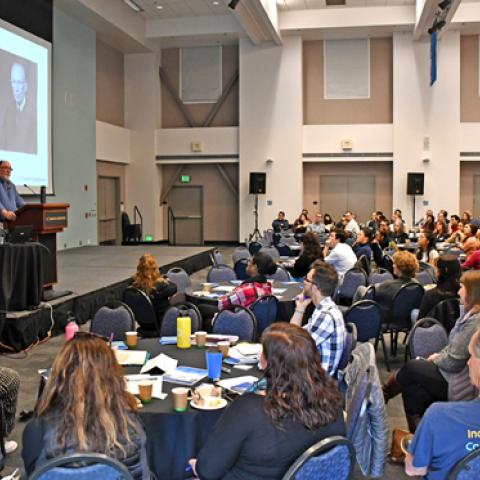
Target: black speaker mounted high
258, 183
415, 183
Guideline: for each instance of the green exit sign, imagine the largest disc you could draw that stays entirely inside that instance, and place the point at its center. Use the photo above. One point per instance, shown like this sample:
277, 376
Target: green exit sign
149, 238
185, 178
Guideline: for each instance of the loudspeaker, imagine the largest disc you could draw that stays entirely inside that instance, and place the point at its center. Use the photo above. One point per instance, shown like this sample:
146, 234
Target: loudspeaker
258, 182
415, 183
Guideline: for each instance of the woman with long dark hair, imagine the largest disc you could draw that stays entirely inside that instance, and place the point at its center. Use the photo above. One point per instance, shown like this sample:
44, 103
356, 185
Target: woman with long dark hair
259, 437
469, 242
427, 251
86, 408
310, 251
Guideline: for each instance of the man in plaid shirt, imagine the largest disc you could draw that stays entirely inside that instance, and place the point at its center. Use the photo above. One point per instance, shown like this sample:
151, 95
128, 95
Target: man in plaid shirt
326, 324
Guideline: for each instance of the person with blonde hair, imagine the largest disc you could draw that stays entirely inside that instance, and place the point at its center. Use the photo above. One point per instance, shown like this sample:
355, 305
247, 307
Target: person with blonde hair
86, 408
149, 280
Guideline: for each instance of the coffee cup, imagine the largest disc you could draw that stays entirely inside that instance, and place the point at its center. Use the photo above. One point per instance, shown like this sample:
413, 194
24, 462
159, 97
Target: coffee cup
145, 391
180, 399
224, 347
131, 339
207, 287
201, 339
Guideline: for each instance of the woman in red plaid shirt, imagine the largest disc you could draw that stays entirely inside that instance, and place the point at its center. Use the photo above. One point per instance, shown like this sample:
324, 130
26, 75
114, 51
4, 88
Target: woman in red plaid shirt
254, 287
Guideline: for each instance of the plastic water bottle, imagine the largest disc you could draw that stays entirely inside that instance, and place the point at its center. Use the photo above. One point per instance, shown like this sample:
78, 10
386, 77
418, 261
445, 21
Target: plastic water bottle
184, 329
71, 329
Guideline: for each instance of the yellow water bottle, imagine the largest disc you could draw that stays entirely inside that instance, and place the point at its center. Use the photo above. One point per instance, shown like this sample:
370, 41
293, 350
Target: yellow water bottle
184, 330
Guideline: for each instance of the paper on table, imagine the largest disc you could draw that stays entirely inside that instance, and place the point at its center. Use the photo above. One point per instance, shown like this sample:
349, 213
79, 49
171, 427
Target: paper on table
223, 288
162, 361
243, 367
133, 381
278, 290
131, 357
231, 383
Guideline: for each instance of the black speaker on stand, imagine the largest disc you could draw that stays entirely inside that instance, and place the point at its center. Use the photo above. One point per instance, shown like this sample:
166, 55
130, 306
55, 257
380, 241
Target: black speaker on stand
415, 186
258, 186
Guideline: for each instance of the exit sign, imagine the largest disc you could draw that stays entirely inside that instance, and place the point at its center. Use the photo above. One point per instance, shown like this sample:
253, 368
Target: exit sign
185, 178
149, 238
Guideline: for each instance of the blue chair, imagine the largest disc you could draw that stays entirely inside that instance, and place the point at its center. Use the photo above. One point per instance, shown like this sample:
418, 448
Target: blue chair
180, 278
240, 269
240, 253
446, 312
240, 322
169, 320
367, 317
114, 318
221, 273
350, 344
217, 258
424, 278
271, 251
467, 468
98, 466
265, 310
364, 263
284, 250
254, 248
352, 279
369, 293
331, 458
379, 276
280, 275
141, 306
426, 337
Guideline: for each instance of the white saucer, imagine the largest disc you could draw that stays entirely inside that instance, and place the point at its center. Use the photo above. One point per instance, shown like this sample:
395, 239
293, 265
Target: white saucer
222, 404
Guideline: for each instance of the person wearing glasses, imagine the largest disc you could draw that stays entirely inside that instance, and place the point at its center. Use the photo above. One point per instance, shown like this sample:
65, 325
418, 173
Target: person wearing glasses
10, 200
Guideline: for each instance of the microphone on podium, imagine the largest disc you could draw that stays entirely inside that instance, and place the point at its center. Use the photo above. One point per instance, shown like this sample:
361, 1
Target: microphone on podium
30, 188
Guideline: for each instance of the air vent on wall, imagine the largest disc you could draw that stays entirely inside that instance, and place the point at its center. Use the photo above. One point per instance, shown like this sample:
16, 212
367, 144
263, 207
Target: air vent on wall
335, 3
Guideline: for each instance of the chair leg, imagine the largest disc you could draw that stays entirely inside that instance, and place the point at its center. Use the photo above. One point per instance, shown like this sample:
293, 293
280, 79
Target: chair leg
385, 352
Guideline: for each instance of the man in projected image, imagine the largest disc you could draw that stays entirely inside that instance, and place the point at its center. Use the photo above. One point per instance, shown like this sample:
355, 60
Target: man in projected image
10, 200
19, 130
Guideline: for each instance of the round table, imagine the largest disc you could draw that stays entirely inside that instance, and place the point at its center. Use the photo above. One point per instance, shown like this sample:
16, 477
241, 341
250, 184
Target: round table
286, 299
175, 437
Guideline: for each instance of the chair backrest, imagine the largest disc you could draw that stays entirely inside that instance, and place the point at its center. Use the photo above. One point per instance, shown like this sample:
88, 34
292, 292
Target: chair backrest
350, 344
446, 312
352, 279
424, 278
272, 251
98, 466
284, 250
467, 468
364, 263
426, 337
221, 273
254, 248
217, 258
265, 310
367, 317
426, 267
369, 293
268, 234
408, 297
281, 275
141, 306
379, 276
288, 239
240, 322
453, 250
114, 318
240, 269
169, 320
180, 278
332, 457
239, 253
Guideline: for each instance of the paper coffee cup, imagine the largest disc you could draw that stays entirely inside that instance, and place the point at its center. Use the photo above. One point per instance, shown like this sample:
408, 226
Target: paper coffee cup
145, 391
207, 287
131, 339
180, 399
224, 347
201, 339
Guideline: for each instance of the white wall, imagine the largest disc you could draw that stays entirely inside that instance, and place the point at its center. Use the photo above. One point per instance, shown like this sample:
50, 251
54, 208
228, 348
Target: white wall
470, 137
422, 111
113, 143
271, 117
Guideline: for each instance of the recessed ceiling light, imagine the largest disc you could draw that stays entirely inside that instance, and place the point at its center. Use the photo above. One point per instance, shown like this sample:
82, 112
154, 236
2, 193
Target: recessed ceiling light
159, 7
215, 3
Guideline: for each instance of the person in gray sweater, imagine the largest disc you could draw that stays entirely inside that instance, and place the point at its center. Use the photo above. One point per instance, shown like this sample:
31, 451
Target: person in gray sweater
425, 381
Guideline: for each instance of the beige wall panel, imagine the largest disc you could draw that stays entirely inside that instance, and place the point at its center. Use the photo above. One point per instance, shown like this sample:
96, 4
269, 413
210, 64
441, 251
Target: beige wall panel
381, 170
110, 85
468, 170
220, 205
376, 109
227, 116
110, 169
469, 98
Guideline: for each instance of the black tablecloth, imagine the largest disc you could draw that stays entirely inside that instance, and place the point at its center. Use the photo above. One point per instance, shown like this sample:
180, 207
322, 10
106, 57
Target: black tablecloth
21, 275
173, 437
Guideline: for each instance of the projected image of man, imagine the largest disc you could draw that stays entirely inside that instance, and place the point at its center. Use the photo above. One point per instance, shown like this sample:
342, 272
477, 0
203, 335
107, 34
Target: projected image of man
19, 129
10, 200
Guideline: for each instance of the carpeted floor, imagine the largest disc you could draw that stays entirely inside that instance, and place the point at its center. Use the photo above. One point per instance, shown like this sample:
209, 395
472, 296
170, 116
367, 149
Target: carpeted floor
42, 356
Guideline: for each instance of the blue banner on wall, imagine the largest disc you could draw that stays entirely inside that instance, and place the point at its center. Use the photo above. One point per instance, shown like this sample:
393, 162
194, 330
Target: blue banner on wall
433, 58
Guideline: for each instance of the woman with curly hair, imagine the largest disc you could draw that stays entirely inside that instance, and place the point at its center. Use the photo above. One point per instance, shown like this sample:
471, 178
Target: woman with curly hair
149, 280
260, 436
310, 251
85, 408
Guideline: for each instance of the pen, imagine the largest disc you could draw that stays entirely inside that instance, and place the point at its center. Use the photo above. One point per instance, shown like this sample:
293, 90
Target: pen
189, 468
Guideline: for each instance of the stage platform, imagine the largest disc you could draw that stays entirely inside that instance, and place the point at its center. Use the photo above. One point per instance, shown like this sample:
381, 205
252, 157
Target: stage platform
94, 275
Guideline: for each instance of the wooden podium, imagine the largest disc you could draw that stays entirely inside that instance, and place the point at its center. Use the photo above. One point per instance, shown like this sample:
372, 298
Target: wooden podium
47, 219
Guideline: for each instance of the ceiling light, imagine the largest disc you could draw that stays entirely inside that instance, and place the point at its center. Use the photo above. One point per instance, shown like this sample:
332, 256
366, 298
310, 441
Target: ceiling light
133, 5
215, 3
159, 7
335, 3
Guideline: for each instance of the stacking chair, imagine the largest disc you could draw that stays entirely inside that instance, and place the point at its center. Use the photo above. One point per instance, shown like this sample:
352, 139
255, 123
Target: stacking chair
72, 467
141, 306
446, 312
180, 278
467, 468
352, 279
272, 251
426, 337
114, 318
453, 250
332, 457
350, 344
240, 253
265, 310
281, 275
169, 320
284, 250
240, 321
379, 276
367, 317
217, 258
240, 269
221, 273
369, 293
254, 247
364, 263
426, 267
424, 278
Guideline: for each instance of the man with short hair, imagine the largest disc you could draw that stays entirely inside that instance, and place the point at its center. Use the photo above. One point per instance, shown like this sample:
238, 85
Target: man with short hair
326, 324
352, 225
362, 245
454, 221
280, 224
338, 254
318, 226
383, 236
10, 200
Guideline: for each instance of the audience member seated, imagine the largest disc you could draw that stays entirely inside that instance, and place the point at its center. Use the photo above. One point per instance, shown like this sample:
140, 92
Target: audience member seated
456, 236
148, 279
9, 385
444, 435
328, 221
470, 242
425, 381
448, 273
383, 236
442, 216
362, 245
259, 436
352, 225
441, 231
466, 217
86, 408
280, 224
326, 324
310, 251
318, 227
472, 262
301, 224
398, 234
427, 251
372, 222
338, 254
453, 225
